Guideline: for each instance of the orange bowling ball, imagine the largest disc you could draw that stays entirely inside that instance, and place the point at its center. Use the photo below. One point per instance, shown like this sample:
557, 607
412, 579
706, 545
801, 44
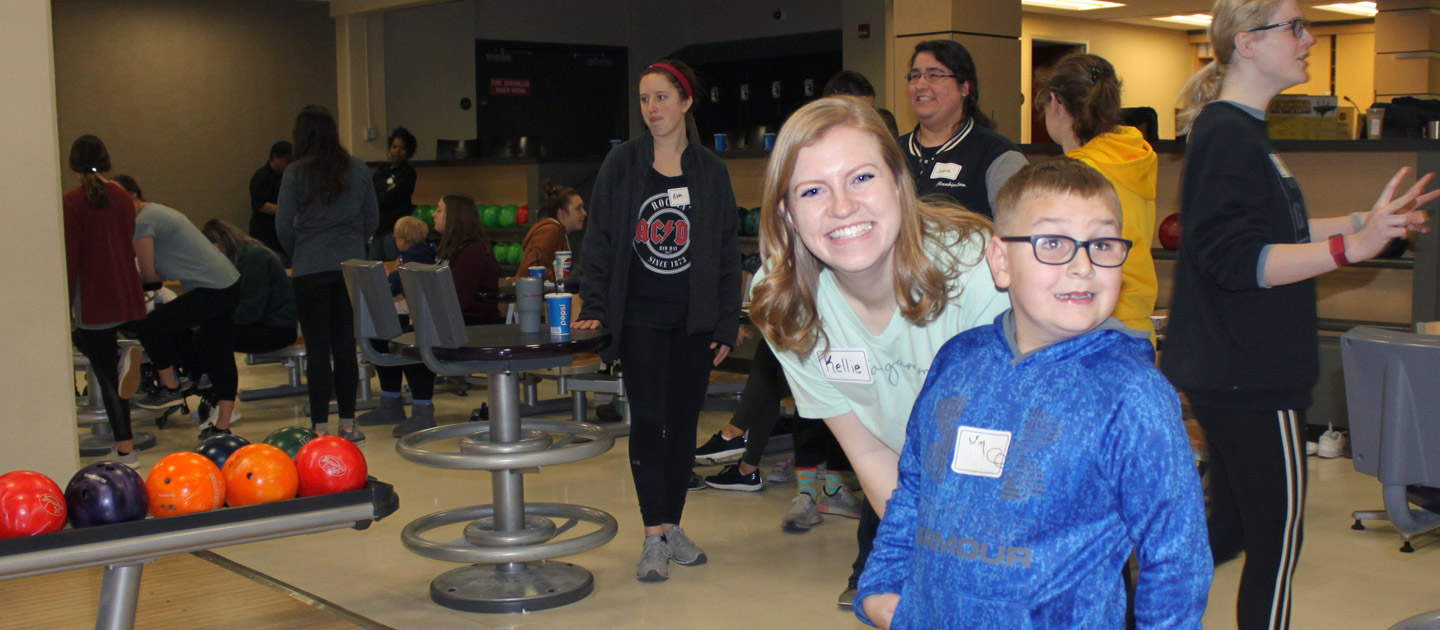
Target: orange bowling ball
184, 483
259, 473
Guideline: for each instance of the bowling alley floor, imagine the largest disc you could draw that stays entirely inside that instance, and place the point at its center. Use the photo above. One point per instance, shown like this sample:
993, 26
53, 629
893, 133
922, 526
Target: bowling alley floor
757, 576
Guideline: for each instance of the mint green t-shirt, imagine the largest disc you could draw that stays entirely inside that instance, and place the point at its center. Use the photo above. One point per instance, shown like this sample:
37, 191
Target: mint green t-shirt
879, 376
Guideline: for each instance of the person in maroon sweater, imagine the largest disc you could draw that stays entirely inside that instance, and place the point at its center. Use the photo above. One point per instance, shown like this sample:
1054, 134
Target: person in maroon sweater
464, 247
105, 289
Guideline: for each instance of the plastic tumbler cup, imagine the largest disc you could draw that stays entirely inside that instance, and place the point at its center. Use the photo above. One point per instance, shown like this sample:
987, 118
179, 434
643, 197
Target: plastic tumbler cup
557, 311
769, 139
615, 142
721, 141
529, 302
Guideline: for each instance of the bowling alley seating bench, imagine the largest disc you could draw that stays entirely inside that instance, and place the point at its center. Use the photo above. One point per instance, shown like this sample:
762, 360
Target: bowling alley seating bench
293, 357
124, 548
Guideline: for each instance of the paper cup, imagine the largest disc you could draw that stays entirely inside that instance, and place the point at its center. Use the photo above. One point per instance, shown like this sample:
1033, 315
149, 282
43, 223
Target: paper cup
563, 265
721, 141
557, 312
537, 272
769, 139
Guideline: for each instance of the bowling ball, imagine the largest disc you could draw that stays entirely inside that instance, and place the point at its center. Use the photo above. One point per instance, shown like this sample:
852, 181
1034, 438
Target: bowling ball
259, 473
219, 447
30, 504
507, 215
105, 493
743, 212
330, 464
289, 439
1170, 232
752, 222
522, 215
502, 252
490, 216
184, 483
516, 253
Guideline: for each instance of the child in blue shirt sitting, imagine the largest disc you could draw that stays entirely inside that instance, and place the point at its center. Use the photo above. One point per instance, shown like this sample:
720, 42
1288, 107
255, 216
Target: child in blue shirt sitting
1045, 447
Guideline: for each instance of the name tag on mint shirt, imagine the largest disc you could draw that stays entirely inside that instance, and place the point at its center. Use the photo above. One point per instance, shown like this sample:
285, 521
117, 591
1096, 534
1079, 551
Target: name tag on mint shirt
846, 365
679, 196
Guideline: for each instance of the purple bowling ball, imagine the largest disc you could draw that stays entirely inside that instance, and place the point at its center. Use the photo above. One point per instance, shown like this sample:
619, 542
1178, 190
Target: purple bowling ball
105, 493
217, 448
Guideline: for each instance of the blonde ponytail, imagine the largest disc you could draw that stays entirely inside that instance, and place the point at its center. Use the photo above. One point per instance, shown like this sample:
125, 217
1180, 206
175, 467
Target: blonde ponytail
1199, 91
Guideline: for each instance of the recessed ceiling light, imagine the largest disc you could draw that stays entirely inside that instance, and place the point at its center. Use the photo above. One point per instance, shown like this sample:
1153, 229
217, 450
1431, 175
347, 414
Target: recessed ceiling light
1071, 5
1196, 19
1366, 9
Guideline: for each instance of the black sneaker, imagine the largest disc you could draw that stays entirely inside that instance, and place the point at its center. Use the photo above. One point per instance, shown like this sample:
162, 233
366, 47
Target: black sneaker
163, 399
730, 478
211, 431
719, 450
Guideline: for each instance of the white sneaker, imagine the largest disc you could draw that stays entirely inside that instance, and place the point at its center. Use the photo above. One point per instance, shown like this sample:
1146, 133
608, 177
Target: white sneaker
782, 472
1332, 444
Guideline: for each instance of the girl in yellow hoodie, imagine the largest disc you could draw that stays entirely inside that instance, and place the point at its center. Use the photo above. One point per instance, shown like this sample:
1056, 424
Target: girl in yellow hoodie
1081, 102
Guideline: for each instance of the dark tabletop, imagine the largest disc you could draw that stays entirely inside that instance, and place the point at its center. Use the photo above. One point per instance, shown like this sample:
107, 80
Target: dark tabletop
505, 342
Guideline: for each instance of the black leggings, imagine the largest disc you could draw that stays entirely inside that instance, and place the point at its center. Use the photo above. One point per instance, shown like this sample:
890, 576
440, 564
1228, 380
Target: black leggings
104, 354
760, 403
323, 307
666, 373
197, 321
1257, 504
815, 444
422, 380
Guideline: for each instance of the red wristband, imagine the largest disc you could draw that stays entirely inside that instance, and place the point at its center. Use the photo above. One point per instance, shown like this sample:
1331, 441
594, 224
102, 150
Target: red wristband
1337, 250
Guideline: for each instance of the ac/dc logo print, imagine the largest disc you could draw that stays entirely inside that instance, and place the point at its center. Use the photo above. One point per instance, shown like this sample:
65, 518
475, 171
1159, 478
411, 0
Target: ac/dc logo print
662, 233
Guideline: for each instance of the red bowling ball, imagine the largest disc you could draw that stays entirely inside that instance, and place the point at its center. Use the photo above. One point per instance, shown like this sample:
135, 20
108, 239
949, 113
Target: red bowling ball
30, 504
1170, 232
330, 464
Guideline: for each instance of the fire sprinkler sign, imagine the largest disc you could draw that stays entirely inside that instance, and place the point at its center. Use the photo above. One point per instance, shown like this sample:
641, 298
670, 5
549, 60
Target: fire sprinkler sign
510, 87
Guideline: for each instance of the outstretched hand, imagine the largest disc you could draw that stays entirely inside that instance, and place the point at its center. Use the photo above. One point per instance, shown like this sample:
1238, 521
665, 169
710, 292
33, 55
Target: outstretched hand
586, 324
1392, 217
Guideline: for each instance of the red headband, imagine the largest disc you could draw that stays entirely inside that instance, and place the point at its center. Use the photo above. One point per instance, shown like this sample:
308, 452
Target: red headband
690, 94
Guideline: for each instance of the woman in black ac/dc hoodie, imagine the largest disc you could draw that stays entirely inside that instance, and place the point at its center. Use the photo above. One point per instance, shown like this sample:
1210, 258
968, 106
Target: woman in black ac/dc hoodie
662, 273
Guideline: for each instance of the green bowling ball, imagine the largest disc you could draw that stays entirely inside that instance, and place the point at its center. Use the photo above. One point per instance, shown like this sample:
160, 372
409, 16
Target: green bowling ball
516, 253
502, 252
740, 223
507, 215
490, 216
289, 439
752, 222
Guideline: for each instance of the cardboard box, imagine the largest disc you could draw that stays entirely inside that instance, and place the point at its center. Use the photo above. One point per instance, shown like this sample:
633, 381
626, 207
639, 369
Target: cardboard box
1340, 124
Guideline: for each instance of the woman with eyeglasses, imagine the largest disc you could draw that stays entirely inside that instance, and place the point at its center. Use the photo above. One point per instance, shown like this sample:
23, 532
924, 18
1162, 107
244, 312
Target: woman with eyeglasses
1242, 343
1081, 103
954, 151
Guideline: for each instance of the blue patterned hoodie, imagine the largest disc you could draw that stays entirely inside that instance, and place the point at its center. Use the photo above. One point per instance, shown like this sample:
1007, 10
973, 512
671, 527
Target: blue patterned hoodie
1026, 481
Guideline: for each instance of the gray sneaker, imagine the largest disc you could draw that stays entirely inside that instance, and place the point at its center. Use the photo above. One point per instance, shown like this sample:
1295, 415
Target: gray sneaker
842, 503
654, 565
354, 434
131, 459
682, 549
390, 411
163, 399
803, 514
421, 417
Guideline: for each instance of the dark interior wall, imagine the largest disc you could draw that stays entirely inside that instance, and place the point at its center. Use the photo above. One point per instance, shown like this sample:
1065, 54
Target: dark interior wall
189, 95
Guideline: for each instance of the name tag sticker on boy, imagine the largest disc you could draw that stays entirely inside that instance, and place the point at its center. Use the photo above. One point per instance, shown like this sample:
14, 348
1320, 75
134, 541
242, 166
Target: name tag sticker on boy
846, 365
1280, 166
945, 170
980, 452
679, 196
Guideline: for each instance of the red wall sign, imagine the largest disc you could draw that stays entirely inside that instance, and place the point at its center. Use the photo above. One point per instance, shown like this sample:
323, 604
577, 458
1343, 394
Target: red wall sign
510, 87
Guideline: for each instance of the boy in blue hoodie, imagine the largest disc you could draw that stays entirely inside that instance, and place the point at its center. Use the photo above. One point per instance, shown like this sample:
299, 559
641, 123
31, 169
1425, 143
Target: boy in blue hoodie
1045, 447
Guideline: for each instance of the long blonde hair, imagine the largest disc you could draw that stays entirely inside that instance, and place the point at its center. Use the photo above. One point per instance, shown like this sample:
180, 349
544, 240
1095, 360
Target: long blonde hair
1232, 17
783, 305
